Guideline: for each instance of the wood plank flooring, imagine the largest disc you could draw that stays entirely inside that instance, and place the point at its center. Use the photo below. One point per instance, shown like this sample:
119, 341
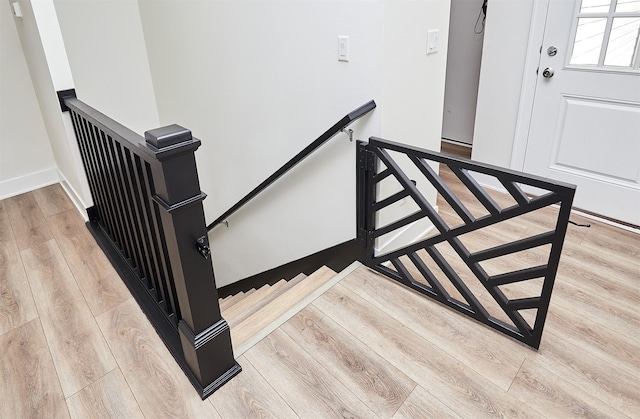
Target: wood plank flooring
80, 353
30, 386
17, 305
73, 343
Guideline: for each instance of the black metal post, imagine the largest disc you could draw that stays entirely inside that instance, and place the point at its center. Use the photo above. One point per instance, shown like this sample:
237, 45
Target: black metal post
204, 334
364, 216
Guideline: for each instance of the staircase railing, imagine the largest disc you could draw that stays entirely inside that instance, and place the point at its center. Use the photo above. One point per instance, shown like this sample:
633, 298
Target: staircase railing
441, 265
317, 143
149, 220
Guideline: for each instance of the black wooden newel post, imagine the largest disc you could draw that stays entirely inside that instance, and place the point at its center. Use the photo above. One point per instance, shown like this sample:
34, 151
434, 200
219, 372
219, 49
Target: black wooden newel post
204, 334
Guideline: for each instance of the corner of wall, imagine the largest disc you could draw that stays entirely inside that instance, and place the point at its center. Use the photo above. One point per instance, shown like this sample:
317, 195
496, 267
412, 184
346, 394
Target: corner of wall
45, 54
111, 69
507, 32
75, 197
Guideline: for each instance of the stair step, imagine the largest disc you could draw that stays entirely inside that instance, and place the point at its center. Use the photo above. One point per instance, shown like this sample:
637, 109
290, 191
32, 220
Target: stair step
238, 318
249, 305
234, 299
253, 328
229, 300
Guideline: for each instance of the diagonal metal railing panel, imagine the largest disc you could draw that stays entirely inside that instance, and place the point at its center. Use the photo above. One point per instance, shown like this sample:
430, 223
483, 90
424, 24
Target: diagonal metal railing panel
500, 284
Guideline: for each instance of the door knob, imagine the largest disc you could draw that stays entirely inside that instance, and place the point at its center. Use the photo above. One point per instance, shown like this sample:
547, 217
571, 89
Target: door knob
548, 73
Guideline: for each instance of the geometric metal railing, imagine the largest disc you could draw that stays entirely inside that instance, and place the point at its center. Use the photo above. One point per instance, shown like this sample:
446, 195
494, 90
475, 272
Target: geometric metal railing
149, 220
505, 283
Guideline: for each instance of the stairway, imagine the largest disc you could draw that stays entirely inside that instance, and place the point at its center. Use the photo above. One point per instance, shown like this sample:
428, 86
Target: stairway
254, 314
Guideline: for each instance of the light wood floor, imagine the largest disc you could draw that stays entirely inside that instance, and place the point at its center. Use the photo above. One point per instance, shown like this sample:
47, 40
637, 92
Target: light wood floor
73, 342
458, 150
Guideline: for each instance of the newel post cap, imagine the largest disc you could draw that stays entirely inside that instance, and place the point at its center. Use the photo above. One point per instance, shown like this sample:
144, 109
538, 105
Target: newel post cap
167, 136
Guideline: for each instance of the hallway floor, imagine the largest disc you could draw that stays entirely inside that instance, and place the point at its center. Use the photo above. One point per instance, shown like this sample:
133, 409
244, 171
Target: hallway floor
75, 344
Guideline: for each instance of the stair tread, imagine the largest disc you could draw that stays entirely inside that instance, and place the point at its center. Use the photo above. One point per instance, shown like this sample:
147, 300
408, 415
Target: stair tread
250, 304
236, 316
281, 290
230, 300
234, 299
263, 318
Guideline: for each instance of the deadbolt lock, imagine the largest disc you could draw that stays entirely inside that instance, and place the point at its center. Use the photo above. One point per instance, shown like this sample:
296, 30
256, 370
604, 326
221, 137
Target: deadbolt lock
552, 51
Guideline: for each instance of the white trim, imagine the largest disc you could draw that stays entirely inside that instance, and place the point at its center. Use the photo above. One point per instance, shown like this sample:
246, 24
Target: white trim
574, 211
28, 183
529, 83
608, 69
77, 160
457, 142
605, 221
406, 236
46, 18
74, 196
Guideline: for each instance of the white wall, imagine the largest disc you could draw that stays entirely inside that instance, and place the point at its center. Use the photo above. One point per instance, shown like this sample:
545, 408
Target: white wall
107, 54
412, 102
258, 80
26, 159
98, 48
463, 70
48, 74
503, 60
414, 82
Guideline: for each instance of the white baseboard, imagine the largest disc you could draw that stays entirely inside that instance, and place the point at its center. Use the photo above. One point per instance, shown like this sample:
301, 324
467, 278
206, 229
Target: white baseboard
28, 183
493, 184
489, 182
405, 236
41, 179
457, 142
74, 196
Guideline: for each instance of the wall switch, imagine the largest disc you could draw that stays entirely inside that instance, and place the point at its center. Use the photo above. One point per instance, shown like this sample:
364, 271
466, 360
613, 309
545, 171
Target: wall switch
17, 11
432, 41
343, 48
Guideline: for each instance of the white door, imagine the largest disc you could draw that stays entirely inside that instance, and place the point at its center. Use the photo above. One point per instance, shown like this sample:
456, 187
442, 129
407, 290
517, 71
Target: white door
585, 125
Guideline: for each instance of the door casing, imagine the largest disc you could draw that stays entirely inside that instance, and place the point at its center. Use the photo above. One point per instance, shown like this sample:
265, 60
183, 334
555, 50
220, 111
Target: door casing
529, 83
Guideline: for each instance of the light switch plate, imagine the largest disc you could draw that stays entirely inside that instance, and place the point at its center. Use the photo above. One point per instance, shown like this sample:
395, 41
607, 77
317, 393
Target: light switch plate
343, 48
432, 41
17, 11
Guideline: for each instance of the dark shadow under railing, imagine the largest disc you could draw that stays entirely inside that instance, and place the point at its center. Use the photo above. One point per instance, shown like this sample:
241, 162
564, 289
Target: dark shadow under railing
326, 136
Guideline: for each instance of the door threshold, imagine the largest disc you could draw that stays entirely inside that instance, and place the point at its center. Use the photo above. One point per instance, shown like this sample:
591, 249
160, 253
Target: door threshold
606, 220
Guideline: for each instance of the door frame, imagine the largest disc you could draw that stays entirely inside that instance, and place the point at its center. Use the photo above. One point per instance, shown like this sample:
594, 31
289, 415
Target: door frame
530, 80
529, 83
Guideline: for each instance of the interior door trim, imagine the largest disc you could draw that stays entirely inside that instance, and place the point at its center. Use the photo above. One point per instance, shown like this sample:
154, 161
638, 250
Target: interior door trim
529, 83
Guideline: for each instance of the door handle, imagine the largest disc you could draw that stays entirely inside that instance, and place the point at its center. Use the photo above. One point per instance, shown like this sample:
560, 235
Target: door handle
548, 73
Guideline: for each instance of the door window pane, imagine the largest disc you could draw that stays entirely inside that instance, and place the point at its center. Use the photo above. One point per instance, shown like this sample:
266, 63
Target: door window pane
623, 42
628, 6
595, 6
588, 42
